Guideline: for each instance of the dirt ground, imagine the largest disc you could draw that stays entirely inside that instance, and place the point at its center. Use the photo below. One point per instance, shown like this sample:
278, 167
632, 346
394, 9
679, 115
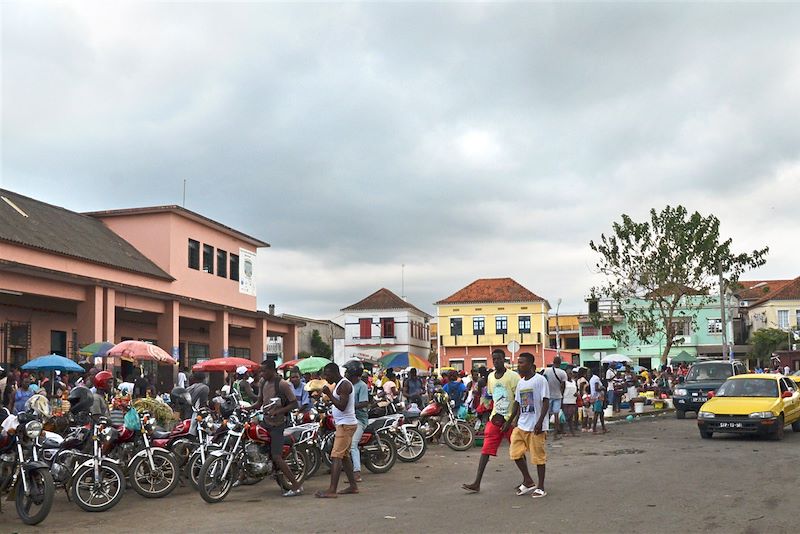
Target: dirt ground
653, 475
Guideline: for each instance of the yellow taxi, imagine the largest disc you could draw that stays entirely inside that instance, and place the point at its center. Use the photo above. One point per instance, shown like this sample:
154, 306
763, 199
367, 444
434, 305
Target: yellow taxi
760, 404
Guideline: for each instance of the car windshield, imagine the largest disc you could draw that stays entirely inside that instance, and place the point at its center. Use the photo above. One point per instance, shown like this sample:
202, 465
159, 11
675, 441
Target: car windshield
710, 371
748, 387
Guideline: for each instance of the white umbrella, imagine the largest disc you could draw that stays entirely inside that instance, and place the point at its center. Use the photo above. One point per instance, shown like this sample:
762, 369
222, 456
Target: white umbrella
615, 358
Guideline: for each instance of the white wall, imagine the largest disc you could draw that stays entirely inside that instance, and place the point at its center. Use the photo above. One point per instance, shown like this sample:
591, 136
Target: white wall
356, 347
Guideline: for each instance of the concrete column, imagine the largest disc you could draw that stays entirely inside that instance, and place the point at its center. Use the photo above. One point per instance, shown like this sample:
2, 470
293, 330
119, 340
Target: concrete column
109, 314
90, 317
258, 341
218, 333
290, 343
169, 329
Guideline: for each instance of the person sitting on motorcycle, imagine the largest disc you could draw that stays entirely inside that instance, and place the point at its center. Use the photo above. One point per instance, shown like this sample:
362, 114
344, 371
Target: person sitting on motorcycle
299, 386
103, 383
80, 400
456, 390
275, 419
390, 386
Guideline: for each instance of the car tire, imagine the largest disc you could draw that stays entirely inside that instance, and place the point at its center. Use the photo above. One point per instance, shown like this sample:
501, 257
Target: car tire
778, 434
680, 414
796, 426
705, 434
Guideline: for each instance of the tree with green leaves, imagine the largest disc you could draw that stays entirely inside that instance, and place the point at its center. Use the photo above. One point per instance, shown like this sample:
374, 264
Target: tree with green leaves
766, 341
318, 346
664, 270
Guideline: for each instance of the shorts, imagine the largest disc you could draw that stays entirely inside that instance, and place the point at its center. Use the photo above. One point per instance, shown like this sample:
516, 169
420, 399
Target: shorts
597, 406
555, 406
492, 437
523, 442
342, 440
275, 440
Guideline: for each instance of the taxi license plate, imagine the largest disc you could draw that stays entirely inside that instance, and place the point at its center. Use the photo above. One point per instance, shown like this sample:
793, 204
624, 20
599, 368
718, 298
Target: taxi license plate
731, 425
702, 399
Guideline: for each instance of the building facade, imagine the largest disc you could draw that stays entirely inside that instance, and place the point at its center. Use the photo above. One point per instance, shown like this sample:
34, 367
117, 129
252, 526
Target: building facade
381, 323
486, 315
701, 338
329, 332
163, 274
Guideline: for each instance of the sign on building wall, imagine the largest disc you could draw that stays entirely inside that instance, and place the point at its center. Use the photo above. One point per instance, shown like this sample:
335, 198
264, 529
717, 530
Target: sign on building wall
247, 277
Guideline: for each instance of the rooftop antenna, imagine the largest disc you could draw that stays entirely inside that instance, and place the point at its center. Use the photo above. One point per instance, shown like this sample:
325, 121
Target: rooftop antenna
184, 193
403, 281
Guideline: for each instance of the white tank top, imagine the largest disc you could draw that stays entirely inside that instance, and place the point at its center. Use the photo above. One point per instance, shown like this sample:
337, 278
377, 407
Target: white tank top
348, 415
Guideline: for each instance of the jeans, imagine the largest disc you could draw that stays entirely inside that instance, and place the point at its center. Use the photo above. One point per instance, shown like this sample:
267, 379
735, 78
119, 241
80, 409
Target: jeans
611, 397
355, 455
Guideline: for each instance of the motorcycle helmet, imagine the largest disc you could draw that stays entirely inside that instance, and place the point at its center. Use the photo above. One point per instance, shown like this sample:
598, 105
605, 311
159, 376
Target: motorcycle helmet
80, 399
179, 397
103, 380
353, 368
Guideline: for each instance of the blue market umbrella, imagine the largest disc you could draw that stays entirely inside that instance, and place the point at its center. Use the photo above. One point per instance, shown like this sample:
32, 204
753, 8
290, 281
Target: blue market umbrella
52, 362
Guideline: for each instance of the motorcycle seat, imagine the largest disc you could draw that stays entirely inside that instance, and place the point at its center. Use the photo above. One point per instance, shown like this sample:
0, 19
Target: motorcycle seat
160, 434
411, 415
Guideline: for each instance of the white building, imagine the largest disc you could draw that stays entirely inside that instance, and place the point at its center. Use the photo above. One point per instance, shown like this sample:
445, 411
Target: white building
381, 323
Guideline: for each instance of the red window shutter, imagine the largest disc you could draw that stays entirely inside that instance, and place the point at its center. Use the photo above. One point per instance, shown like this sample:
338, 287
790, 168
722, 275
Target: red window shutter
607, 329
366, 327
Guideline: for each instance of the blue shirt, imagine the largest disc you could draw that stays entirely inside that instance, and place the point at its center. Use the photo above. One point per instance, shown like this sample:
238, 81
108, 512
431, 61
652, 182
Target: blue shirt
303, 402
455, 390
20, 398
361, 393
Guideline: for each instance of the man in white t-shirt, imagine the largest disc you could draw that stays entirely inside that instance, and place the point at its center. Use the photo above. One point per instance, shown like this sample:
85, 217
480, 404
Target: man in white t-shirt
532, 397
556, 379
594, 381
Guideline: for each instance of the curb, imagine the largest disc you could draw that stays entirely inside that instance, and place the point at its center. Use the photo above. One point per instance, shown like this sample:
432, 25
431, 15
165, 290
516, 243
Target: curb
652, 414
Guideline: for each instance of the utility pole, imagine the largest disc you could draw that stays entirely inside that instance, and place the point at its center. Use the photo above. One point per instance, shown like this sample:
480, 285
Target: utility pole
403, 281
558, 331
722, 310
184, 193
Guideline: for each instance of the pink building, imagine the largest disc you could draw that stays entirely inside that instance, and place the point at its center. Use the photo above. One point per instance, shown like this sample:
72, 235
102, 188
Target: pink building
162, 274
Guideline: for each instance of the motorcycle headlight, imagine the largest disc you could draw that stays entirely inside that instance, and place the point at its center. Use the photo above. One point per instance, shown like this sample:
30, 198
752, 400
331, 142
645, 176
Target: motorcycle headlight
33, 429
762, 415
681, 392
705, 415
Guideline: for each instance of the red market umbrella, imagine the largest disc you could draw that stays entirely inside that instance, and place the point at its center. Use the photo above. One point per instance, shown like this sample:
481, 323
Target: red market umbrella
289, 364
140, 350
225, 364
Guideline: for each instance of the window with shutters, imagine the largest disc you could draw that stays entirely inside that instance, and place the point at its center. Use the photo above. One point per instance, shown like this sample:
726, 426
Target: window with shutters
365, 328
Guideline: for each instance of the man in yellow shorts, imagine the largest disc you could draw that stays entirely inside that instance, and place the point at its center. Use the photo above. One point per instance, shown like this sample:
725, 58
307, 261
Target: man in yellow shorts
532, 396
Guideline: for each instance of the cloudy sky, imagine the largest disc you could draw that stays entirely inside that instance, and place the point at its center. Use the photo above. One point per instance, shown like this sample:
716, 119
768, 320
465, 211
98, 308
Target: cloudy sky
462, 140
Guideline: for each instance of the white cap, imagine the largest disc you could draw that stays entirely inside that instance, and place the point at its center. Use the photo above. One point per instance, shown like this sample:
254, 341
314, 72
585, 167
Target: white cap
241, 370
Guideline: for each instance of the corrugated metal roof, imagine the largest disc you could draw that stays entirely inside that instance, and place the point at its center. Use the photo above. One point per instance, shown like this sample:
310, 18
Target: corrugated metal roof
32, 223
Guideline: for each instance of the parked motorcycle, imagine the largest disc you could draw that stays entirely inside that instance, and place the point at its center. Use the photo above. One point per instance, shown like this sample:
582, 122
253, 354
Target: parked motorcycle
152, 471
248, 456
95, 482
212, 435
408, 440
438, 419
378, 451
28, 479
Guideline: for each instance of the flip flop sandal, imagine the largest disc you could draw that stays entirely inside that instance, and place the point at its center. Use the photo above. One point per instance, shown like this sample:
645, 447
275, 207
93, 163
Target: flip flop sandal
525, 490
538, 494
469, 490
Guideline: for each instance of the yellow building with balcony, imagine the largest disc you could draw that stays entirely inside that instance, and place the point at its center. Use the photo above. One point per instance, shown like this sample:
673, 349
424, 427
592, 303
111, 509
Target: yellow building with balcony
486, 315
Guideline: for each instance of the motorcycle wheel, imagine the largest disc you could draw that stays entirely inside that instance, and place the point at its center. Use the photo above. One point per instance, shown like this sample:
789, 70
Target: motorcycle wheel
382, 461
314, 456
412, 450
325, 448
297, 462
213, 488
100, 497
459, 437
193, 469
182, 450
154, 484
33, 508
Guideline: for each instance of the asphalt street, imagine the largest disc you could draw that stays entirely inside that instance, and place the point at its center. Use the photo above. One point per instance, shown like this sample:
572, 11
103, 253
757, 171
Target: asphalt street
653, 475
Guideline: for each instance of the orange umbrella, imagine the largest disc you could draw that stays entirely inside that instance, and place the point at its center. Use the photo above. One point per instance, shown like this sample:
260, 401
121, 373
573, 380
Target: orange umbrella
140, 350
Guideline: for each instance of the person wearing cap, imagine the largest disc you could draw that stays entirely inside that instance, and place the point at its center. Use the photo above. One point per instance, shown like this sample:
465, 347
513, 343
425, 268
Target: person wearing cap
242, 385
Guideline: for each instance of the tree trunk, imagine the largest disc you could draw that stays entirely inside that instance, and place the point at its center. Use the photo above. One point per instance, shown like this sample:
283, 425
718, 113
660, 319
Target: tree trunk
667, 347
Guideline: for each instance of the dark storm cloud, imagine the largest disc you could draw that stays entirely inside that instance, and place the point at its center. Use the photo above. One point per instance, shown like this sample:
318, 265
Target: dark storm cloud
464, 140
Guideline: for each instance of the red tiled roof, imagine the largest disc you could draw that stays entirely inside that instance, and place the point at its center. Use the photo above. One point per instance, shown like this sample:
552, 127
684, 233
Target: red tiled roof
383, 299
486, 290
752, 290
788, 291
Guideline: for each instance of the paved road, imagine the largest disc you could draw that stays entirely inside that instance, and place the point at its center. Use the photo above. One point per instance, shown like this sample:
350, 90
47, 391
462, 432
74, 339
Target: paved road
653, 475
